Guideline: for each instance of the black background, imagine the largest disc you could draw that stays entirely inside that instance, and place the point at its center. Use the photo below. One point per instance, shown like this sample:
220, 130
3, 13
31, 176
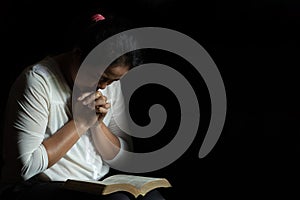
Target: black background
255, 45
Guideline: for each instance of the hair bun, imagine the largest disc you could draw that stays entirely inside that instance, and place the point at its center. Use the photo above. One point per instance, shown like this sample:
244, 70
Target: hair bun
97, 17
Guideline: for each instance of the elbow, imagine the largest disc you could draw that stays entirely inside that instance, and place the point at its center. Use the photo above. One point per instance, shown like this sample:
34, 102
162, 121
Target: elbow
26, 173
33, 164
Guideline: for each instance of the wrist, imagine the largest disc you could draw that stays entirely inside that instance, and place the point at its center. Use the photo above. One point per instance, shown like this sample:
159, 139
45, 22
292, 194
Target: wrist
80, 128
101, 124
98, 125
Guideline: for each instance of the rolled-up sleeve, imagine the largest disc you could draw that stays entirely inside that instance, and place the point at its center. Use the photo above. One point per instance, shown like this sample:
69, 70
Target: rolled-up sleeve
29, 122
119, 125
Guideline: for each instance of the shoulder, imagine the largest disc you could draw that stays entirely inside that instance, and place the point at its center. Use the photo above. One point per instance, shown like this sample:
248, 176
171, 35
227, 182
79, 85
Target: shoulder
36, 77
41, 72
44, 68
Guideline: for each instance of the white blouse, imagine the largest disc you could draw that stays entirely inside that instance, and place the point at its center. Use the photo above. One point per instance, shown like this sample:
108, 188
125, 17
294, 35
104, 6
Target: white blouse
39, 104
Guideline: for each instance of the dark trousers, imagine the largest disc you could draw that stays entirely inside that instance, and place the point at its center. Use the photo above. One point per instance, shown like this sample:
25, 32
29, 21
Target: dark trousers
39, 190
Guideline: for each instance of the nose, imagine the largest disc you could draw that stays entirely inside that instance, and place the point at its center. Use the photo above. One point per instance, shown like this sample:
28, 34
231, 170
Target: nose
102, 85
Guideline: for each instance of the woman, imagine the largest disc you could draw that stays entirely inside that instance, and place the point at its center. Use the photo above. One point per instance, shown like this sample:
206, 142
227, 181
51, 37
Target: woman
44, 144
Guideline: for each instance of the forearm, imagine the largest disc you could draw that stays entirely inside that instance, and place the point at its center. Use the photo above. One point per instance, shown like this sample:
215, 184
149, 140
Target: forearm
61, 142
107, 144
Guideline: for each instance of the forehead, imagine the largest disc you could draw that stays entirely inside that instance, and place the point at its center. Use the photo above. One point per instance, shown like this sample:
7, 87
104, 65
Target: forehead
116, 71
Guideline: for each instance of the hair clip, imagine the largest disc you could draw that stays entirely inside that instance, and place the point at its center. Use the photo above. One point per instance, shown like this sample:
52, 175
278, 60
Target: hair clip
97, 17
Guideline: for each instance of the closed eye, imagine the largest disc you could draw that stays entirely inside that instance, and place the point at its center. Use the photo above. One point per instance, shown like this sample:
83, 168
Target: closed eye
104, 79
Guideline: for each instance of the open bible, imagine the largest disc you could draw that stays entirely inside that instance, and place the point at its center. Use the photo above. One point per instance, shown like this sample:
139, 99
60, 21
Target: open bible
136, 185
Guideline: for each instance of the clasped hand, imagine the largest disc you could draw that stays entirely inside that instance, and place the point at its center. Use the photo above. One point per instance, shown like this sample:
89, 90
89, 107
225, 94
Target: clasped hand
91, 107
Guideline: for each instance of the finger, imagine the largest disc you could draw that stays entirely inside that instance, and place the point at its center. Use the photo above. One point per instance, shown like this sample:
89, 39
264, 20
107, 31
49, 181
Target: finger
98, 94
84, 95
100, 101
101, 110
104, 98
90, 98
92, 105
107, 105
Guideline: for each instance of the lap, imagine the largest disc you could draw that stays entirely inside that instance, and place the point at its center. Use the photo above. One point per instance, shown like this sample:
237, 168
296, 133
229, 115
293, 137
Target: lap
36, 190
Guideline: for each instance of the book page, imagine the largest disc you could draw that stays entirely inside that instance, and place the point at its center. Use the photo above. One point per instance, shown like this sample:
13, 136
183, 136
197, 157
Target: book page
137, 185
137, 181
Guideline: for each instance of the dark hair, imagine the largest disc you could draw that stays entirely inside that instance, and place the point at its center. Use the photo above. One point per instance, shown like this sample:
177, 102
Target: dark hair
86, 33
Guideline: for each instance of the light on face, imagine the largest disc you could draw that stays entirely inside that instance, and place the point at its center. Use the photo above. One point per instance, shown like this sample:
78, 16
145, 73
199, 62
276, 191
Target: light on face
112, 74
104, 81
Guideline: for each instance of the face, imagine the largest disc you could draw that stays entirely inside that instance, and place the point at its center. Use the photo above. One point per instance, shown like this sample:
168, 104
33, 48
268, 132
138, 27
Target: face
111, 74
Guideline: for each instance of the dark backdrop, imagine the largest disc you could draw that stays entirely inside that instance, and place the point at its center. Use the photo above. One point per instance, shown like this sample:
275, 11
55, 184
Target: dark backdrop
255, 45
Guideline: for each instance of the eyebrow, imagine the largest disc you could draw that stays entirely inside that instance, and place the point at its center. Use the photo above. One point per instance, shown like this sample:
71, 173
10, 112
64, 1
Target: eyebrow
105, 76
